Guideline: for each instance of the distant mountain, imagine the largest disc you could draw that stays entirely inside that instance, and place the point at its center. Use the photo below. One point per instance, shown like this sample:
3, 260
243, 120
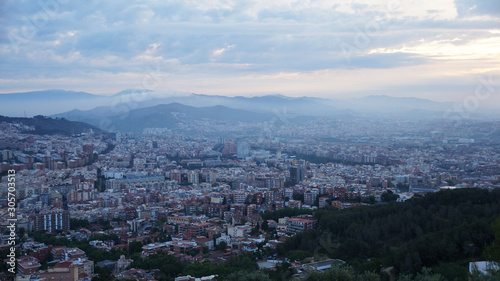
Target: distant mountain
47, 95
176, 115
402, 103
277, 105
51, 126
302, 106
46, 102
132, 92
93, 109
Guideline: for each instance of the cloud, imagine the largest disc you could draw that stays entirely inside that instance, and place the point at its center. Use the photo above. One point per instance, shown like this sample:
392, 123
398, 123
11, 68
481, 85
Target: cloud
104, 46
483, 7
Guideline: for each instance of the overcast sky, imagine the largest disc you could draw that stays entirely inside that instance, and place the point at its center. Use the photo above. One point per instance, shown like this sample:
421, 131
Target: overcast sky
435, 49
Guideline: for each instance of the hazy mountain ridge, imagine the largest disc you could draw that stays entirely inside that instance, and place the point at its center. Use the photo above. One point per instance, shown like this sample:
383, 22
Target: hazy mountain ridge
49, 94
48, 102
90, 108
176, 115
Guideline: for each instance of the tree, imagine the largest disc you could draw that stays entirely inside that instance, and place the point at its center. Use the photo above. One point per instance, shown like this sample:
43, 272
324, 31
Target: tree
369, 200
22, 231
75, 224
425, 275
298, 255
343, 273
221, 246
206, 250
403, 187
298, 196
316, 202
452, 271
135, 247
167, 264
200, 269
450, 182
265, 225
444, 227
192, 252
492, 251
389, 196
246, 276
283, 271
491, 276
102, 274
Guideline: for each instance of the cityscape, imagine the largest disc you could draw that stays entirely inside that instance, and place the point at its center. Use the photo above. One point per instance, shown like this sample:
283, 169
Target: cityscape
250, 140
201, 198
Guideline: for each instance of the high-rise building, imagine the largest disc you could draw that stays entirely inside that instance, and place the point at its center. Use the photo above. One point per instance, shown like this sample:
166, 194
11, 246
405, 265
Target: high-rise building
229, 148
243, 149
7, 154
310, 197
88, 152
175, 175
297, 174
51, 220
193, 177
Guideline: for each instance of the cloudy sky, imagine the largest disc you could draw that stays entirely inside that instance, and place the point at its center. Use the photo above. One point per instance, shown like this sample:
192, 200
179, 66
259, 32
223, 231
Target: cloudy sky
437, 49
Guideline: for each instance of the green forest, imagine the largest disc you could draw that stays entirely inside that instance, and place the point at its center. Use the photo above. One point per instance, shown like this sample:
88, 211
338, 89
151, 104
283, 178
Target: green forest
442, 231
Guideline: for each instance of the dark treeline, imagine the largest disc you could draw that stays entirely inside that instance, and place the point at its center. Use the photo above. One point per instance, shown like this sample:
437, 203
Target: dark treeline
50, 126
442, 230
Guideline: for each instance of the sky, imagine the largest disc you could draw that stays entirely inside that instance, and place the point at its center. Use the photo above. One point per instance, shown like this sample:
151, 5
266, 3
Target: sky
442, 50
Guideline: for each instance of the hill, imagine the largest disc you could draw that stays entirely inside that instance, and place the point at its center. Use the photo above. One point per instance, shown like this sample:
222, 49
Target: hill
81, 106
51, 126
442, 231
175, 115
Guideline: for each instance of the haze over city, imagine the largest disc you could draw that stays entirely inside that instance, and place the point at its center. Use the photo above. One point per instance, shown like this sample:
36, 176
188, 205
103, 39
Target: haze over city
224, 140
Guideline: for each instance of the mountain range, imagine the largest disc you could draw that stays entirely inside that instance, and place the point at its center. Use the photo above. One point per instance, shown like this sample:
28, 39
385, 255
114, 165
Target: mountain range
146, 108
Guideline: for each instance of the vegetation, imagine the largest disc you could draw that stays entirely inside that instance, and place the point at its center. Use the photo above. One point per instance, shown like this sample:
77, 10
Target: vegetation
389, 196
492, 251
347, 273
169, 266
438, 231
93, 253
51, 126
245, 276
342, 274
78, 223
102, 274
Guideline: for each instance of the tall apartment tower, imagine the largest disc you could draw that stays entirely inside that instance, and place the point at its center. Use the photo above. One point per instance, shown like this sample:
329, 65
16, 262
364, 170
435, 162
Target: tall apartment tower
51, 220
242, 149
88, 152
297, 174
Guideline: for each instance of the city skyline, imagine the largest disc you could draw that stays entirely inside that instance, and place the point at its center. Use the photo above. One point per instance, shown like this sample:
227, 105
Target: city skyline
223, 140
437, 50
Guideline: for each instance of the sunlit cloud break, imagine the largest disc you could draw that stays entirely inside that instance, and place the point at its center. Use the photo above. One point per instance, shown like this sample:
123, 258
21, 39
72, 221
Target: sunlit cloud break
226, 47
